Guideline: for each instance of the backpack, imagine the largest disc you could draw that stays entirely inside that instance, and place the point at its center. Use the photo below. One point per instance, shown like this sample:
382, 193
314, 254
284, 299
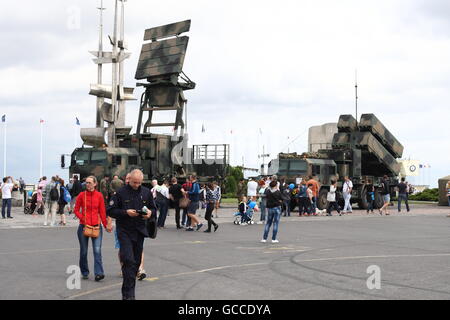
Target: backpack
386, 187
54, 195
66, 195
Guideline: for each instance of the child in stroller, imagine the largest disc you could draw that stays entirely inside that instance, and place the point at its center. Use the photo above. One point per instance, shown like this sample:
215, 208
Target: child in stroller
35, 202
245, 214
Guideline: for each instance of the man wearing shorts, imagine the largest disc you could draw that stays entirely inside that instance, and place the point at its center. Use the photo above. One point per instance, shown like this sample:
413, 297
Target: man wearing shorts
194, 196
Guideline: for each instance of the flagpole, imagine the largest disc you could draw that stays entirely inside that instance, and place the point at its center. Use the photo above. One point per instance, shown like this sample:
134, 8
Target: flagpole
40, 164
4, 152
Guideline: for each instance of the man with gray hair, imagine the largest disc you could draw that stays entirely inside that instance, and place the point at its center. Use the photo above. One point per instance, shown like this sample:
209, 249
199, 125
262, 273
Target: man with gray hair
131, 206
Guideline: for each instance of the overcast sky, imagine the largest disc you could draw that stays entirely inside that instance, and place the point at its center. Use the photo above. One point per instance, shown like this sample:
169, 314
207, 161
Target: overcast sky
281, 66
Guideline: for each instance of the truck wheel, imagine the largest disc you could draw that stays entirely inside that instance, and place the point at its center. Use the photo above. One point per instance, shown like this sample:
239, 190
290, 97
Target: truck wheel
362, 203
378, 203
322, 202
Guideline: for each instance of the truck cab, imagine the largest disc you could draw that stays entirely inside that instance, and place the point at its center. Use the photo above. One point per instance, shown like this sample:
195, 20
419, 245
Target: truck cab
102, 162
294, 167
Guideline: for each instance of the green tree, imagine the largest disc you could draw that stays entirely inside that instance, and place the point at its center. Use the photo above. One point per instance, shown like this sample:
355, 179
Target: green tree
237, 173
231, 185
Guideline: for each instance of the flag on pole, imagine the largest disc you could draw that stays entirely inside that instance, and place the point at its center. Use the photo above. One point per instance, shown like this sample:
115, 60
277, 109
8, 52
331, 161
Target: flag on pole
77, 121
41, 121
203, 128
4, 118
260, 131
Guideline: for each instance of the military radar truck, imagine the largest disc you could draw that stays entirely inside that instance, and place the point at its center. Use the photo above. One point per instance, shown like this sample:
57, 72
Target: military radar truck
363, 151
113, 150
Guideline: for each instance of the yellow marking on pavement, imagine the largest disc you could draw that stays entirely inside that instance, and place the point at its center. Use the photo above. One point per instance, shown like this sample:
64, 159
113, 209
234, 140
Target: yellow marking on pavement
282, 248
151, 279
166, 276
265, 263
379, 257
47, 250
94, 291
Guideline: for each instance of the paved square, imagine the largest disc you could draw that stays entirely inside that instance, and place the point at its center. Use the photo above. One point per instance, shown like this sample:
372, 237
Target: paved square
317, 258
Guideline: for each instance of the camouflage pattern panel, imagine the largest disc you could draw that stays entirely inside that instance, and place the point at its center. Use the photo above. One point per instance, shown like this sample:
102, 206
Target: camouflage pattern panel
357, 164
341, 140
161, 58
167, 30
347, 123
376, 160
122, 161
325, 170
442, 185
369, 122
165, 96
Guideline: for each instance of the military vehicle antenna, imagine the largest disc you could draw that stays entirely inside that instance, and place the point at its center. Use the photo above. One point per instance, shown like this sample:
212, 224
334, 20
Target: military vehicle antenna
100, 100
356, 94
263, 156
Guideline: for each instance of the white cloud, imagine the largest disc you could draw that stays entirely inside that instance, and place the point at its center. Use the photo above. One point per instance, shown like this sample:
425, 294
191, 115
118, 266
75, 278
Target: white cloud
283, 66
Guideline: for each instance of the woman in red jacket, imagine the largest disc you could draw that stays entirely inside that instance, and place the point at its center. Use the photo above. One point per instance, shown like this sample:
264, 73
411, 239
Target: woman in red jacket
90, 210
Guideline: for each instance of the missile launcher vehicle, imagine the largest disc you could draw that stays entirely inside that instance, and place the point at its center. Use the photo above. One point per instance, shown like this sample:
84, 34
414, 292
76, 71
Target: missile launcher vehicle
364, 151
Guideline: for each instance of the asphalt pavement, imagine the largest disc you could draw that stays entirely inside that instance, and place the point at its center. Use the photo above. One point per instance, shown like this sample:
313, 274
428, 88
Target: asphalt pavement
317, 258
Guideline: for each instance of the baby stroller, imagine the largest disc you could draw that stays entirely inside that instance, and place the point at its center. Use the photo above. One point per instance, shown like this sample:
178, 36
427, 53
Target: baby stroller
31, 205
245, 215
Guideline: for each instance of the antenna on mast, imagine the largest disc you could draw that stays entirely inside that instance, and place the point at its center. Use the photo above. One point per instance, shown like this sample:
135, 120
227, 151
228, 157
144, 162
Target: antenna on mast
356, 94
100, 100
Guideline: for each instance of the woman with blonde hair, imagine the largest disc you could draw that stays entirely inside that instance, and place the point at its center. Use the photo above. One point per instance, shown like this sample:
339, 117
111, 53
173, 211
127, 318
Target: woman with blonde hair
90, 210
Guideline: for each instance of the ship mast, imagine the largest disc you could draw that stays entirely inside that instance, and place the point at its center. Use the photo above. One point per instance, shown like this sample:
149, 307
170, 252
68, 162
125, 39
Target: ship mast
100, 100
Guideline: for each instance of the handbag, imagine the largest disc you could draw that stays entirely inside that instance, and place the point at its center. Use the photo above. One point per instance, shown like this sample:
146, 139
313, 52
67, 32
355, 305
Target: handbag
152, 227
90, 231
184, 203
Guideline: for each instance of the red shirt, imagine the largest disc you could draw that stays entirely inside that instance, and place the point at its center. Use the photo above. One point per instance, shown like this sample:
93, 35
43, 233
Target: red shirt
95, 206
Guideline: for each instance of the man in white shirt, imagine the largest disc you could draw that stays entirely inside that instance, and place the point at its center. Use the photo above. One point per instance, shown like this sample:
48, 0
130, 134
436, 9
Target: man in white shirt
347, 193
162, 202
252, 186
6, 189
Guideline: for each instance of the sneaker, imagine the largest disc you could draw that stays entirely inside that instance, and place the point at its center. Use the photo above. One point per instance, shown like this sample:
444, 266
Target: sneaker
207, 231
10, 217
141, 275
199, 226
190, 229
99, 277
216, 227
85, 277
263, 241
243, 223
275, 241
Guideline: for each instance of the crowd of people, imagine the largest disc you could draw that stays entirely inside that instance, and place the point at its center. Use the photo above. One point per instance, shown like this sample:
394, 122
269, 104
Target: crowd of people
130, 205
277, 197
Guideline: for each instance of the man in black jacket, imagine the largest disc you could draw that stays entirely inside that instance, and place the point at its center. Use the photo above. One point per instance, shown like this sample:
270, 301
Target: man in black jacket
131, 227
274, 203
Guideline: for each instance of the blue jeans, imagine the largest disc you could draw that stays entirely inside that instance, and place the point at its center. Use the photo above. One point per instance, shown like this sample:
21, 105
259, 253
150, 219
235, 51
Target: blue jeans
263, 210
273, 216
6, 203
404, 197
163, 207
97, 245
314, 205
185, 220
287, 206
